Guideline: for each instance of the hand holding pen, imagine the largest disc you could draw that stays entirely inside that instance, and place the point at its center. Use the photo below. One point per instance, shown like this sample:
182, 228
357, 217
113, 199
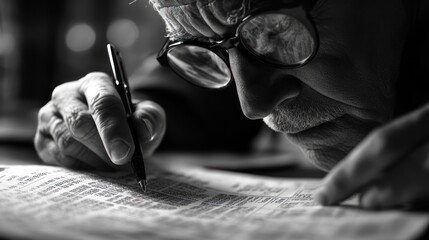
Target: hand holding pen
84, 126
120, 81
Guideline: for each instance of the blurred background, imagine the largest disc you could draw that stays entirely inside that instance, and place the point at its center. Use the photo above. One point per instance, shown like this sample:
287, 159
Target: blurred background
45, 43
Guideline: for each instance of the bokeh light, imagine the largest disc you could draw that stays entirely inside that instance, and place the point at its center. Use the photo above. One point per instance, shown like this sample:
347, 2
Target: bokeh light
80, 37
7, 43
123, 33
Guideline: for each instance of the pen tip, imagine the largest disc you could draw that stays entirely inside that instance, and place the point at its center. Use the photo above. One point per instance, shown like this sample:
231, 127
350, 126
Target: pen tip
142, 184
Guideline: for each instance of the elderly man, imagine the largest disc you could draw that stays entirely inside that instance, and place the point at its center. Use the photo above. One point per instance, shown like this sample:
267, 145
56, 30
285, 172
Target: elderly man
331, 75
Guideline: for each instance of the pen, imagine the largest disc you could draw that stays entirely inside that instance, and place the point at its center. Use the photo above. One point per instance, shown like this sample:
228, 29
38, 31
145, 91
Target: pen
121, 84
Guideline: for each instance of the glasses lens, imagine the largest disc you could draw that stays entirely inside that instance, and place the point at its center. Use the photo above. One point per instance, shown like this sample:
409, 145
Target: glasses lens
199, 65
278, 38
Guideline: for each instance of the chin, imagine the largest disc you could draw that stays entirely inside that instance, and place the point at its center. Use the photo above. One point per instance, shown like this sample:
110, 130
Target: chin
327, 143
327, 154
326, 159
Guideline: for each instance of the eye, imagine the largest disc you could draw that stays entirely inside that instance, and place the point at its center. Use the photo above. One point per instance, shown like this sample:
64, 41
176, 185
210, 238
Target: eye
278, 38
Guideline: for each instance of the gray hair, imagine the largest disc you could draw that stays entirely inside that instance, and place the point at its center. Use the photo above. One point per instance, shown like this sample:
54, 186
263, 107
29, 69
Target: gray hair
181, 16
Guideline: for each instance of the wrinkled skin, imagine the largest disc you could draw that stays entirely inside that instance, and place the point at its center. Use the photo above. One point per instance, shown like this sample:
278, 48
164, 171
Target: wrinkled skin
338, 107
84, 126
329, 106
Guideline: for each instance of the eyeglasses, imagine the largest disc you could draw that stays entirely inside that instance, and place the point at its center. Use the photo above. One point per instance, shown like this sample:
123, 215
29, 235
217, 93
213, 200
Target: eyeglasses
283, 39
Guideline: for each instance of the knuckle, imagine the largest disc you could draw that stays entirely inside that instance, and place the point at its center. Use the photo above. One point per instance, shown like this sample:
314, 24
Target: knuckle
59, 91
45, 113
102, 105
65, 141
103, 102
93, 77
80, 125
100, 75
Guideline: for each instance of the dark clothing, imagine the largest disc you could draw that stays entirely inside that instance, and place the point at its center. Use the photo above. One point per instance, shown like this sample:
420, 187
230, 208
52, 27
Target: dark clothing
413, 79
197, 119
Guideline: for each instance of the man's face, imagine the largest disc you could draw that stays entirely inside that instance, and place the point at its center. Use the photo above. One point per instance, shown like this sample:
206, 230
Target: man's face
330, 104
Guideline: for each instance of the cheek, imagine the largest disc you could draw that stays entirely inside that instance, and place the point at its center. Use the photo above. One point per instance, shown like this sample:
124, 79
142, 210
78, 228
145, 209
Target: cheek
336, 77
359, 57
349, 77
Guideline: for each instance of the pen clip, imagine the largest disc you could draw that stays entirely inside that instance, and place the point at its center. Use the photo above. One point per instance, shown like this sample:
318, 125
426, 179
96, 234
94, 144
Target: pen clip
121, 81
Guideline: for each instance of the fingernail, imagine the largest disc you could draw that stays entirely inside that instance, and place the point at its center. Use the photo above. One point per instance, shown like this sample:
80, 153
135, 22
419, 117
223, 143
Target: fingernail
322, 198
119, 151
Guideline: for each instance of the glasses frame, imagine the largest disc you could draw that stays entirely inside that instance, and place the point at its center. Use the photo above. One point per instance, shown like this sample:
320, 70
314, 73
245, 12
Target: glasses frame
221, 47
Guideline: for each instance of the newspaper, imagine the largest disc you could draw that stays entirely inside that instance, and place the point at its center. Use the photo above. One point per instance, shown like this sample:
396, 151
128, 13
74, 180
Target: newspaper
44, 202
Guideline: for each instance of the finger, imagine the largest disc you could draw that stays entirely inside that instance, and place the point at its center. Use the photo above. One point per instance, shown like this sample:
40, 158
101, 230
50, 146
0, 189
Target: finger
402, 184
70, 104
109, 116
50, 153
52, 128
153, 118
391, 192
44, 117
379, 196
71, 148
379, 150
150, 121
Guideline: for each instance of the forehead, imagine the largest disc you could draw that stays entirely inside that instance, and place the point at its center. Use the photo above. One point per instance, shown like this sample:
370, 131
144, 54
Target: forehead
207, 19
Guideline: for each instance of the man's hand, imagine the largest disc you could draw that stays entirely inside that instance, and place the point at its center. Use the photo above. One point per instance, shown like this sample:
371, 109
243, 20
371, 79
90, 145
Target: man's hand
85, 126
390, 168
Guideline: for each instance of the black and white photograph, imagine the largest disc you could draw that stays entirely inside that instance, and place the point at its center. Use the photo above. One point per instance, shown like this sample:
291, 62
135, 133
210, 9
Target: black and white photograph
214, 119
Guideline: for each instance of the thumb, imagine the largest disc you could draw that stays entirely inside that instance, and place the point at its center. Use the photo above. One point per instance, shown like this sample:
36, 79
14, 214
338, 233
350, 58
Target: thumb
150, 121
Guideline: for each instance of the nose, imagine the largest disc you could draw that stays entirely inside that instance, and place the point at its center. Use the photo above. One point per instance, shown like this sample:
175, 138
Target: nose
261, 87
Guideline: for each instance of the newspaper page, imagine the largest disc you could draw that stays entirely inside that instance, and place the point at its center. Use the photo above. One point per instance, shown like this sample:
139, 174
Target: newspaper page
44, 202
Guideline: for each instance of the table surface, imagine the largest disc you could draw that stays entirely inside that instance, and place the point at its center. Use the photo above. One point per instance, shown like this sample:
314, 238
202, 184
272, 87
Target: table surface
25, 154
